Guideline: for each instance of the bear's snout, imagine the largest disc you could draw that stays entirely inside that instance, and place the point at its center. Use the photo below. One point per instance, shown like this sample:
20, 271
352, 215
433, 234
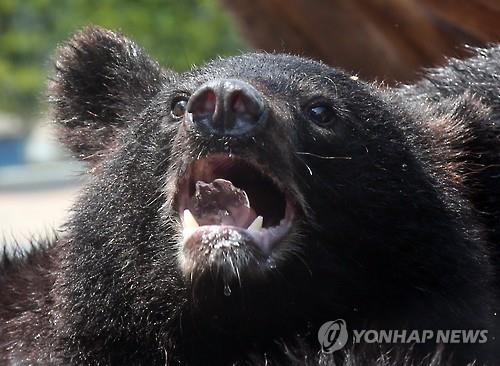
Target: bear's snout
226, 107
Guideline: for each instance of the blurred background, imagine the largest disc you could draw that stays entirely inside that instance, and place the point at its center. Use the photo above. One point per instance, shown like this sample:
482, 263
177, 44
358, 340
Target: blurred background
38, 180
387, 40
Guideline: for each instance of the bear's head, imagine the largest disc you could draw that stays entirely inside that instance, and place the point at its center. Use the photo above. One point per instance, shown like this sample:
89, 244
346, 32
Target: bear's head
260, 194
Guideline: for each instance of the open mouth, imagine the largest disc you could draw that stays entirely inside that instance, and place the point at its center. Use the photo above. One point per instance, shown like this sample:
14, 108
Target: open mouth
221, 197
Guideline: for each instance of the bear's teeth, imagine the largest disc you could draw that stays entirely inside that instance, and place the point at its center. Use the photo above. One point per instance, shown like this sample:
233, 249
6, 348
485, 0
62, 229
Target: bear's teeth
189, 223
256, 224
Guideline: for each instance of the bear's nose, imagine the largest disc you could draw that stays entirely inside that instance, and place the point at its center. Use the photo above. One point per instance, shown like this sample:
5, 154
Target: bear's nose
226, 108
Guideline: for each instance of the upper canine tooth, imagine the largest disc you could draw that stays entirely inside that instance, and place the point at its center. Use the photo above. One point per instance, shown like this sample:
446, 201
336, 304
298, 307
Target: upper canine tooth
256, 224
189, 221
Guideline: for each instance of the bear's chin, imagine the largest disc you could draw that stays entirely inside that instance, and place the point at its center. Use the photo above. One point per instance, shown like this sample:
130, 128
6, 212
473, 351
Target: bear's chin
227, 255
232, 285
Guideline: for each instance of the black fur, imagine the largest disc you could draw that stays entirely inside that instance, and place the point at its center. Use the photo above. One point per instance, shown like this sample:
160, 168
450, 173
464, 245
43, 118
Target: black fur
398, 229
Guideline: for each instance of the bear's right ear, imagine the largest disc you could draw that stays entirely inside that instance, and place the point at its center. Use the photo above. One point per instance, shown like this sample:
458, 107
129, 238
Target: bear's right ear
102, 79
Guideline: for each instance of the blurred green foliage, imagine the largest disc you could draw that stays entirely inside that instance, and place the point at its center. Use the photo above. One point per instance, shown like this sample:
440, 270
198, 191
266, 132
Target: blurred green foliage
178, 33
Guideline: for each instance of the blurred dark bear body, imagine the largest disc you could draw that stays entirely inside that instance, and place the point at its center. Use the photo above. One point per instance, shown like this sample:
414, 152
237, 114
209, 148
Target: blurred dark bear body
398, 198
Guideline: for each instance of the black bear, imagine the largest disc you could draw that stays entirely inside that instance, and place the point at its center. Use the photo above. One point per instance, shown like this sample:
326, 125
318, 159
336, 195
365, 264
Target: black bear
233, 209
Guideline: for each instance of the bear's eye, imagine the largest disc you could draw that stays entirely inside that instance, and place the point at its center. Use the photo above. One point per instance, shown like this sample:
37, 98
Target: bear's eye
179, 106
320, 113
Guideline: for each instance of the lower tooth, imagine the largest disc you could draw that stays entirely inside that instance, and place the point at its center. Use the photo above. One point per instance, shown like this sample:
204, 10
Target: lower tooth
189, 223
256, 224
189, 220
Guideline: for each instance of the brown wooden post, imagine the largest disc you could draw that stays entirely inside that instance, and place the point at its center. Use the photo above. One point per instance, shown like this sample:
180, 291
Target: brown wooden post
383, 39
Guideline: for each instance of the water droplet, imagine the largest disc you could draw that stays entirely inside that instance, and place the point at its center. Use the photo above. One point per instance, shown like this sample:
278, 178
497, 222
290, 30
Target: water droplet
227, 290
271, 263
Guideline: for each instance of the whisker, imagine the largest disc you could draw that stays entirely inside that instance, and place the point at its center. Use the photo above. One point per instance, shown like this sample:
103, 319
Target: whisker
236, 271
153, 198
324, 157
307, 166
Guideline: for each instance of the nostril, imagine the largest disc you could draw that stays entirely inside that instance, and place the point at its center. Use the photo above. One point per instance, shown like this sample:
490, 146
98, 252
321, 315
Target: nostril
202, 105
245, 107
237, 104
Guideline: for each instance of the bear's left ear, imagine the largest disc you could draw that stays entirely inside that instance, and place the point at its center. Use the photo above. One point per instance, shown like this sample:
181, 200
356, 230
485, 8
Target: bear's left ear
102, 80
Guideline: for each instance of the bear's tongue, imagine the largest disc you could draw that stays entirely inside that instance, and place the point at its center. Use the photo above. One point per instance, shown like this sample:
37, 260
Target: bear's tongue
221, 203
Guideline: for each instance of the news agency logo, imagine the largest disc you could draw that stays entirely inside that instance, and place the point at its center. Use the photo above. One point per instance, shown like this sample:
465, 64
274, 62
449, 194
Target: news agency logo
333, 335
